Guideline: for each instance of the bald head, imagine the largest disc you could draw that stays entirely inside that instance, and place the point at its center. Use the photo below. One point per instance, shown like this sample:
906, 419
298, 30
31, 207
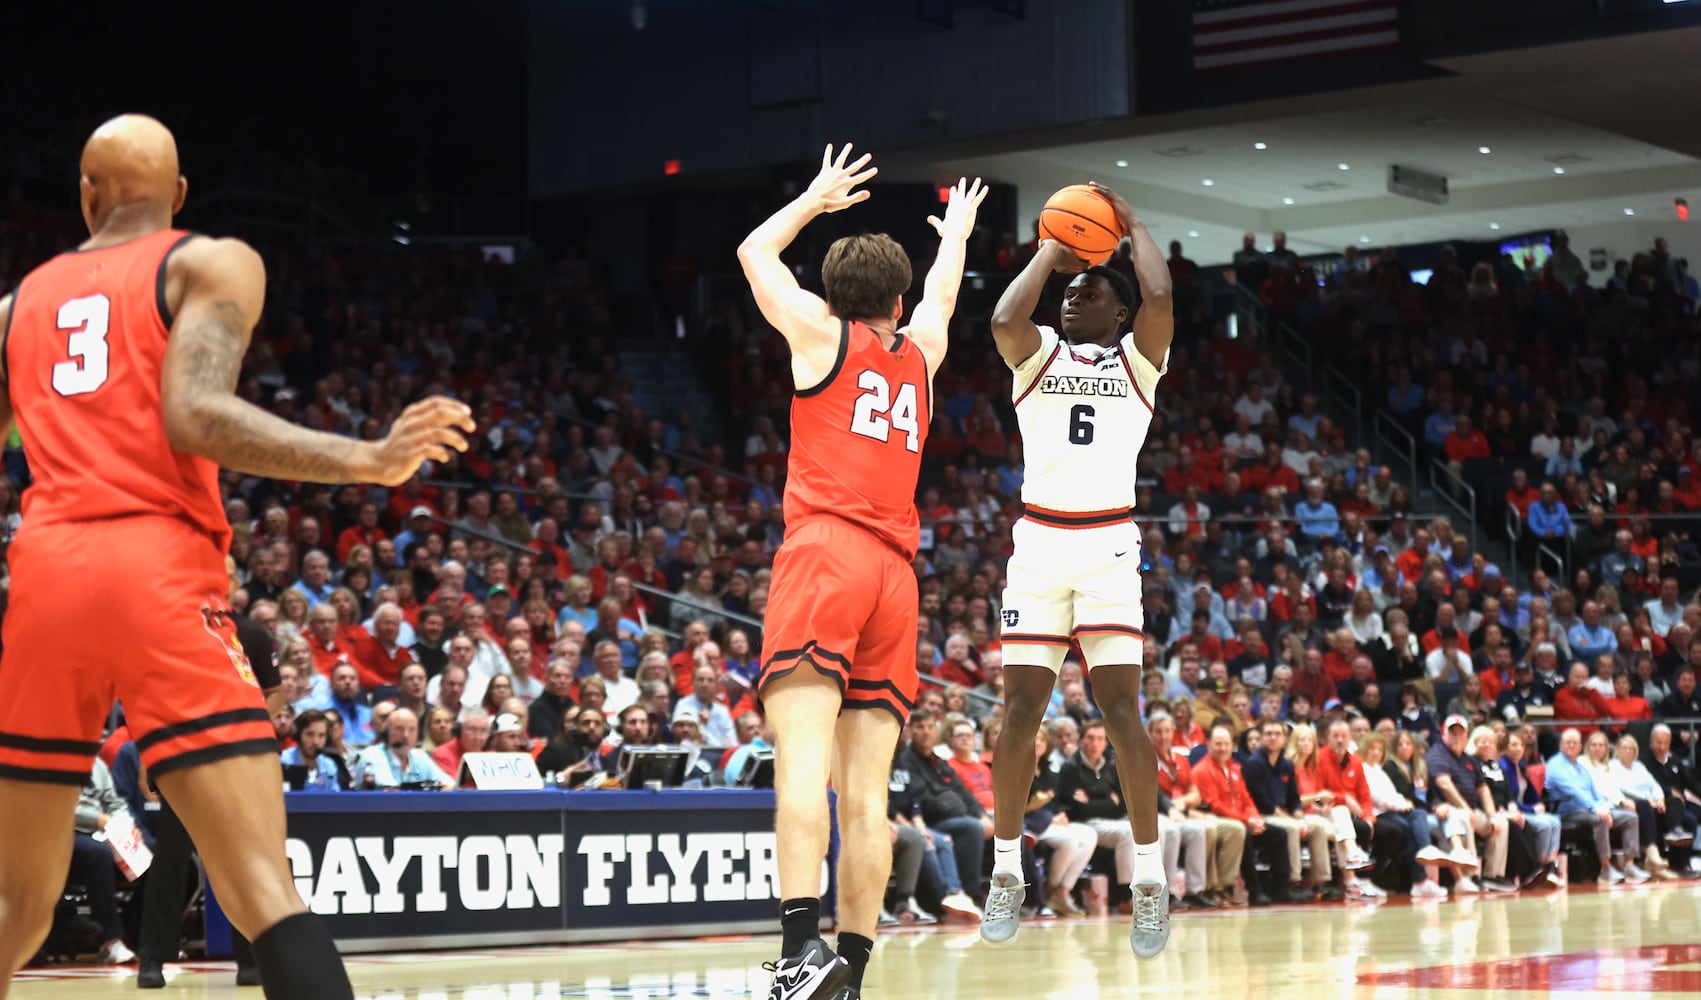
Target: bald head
130, 166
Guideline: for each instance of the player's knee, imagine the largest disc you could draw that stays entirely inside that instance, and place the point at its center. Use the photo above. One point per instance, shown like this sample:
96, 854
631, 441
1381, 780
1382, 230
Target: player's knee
26, 911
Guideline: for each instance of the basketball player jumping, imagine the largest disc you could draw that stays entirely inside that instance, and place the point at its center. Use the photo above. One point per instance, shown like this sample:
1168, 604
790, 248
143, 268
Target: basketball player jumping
1084, 404
841, 622
119, 361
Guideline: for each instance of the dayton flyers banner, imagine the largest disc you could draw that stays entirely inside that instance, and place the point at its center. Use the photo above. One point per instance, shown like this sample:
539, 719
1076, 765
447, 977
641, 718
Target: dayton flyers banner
393, 870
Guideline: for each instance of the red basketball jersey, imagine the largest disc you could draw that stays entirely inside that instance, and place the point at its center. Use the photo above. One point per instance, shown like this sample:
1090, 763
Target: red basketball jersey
83, 349
856, 438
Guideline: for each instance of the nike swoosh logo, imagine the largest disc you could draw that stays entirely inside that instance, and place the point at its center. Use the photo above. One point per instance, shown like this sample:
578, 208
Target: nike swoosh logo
1124, 552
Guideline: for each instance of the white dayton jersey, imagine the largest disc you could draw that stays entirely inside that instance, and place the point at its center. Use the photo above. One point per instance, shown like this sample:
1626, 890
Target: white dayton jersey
1083, 411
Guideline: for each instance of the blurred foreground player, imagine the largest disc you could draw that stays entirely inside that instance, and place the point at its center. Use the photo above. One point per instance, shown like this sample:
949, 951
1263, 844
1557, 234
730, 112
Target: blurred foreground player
1083, 401
119, 363
842, 611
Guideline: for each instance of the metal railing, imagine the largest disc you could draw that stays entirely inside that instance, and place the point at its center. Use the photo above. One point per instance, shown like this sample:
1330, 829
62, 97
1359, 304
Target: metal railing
1395, 438
1559, 561
1344, 389
1514, 528
1451, 488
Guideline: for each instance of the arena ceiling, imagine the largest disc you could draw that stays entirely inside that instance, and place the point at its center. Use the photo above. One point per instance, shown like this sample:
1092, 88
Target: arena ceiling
1583, 134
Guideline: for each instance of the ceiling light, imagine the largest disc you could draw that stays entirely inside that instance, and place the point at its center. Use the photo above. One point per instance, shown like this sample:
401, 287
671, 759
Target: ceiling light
1630, 211
1207, 182
1122, 163
1484, 150
1287, 201
1193, 232
1364, 239
1494, 225
1559, 170
1342, 166
1260, 145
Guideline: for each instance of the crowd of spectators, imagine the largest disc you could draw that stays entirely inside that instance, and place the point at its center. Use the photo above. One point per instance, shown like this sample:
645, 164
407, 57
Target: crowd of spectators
1323, 660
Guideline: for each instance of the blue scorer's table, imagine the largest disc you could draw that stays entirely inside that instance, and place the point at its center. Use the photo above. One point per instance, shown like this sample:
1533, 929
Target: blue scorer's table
391, 871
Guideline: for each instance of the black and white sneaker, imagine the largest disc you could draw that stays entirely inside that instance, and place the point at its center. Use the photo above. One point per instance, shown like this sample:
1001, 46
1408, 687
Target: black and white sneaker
815, 971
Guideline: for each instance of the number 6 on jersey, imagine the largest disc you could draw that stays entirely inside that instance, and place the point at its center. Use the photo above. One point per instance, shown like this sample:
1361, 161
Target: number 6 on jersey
878, 411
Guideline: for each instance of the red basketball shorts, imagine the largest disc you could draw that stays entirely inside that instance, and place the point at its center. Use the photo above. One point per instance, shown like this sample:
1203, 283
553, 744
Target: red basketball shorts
131, 609
843, 603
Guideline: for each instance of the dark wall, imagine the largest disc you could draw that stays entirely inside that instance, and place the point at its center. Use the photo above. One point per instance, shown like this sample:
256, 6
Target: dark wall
379, 87
757, 86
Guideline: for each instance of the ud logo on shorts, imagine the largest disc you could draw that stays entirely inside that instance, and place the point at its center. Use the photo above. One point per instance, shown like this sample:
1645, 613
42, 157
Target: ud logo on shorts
212, 619
1011, 617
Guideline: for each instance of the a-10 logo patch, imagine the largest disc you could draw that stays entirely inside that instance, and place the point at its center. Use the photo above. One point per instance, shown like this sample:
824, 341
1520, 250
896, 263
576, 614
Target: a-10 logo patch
1011, 617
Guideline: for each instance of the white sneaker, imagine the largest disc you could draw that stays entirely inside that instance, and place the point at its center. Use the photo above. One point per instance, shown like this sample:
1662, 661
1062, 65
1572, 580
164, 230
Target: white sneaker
1465, 885
1357, 859
1428, 889
1432, 855
1611, 876
960, 905
1635, 875
1463, 858
915, 914
1003, 908
115, 953
1359, 888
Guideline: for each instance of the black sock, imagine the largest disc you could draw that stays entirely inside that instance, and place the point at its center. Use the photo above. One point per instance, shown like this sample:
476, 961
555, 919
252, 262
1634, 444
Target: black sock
800, 920
855, 949
299, 961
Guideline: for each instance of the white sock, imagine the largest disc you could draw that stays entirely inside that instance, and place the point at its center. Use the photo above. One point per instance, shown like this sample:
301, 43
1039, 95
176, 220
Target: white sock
1148, 861
1007, 856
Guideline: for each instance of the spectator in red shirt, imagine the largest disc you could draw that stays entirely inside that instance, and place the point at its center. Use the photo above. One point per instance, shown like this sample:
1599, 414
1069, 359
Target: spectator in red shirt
957, 667
1522, 494
1577, 701
1222, 790
1410, 562
364, 531
1271, 472
1312, 681
328, 649
1187, 470
1624, 705
380, 656
975, 775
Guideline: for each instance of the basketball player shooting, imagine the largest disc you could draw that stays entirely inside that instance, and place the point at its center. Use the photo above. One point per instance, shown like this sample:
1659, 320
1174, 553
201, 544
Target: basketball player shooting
839, 677
119, 363
1083, 403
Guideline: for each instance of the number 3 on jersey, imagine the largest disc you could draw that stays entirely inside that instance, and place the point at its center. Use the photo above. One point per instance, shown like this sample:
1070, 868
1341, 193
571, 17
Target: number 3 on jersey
878, 410
87, 320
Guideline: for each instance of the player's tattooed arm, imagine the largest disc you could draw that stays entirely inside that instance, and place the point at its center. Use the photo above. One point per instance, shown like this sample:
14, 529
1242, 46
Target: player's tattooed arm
219, 287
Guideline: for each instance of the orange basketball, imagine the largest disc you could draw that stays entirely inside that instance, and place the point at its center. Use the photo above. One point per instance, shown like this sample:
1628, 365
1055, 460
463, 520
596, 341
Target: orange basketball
1082, 220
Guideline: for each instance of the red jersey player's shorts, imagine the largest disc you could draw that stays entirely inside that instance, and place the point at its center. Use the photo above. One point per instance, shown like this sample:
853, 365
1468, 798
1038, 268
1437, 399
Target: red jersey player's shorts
130, 608
843, 603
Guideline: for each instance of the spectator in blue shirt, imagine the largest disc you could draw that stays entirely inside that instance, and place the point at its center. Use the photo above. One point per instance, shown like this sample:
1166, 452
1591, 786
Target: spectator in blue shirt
1571, 789
1590, 640
311, 732
398, 760
1440, 424
1318, 519
1548, 517
1307, 418
1404, 396
349, 701
315, 582
1564, 460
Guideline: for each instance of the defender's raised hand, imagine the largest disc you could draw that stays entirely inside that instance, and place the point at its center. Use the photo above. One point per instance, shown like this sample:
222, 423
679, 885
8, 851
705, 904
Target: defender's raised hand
960, 210
833, 189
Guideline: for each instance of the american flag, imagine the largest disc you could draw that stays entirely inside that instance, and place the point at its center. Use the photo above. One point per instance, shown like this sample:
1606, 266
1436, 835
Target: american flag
1239, 34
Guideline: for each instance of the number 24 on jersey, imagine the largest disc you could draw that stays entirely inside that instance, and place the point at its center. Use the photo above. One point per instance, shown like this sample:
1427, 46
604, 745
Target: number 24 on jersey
879, 410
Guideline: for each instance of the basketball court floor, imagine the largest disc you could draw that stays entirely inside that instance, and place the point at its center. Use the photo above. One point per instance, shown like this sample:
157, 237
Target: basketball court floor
1643, 941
